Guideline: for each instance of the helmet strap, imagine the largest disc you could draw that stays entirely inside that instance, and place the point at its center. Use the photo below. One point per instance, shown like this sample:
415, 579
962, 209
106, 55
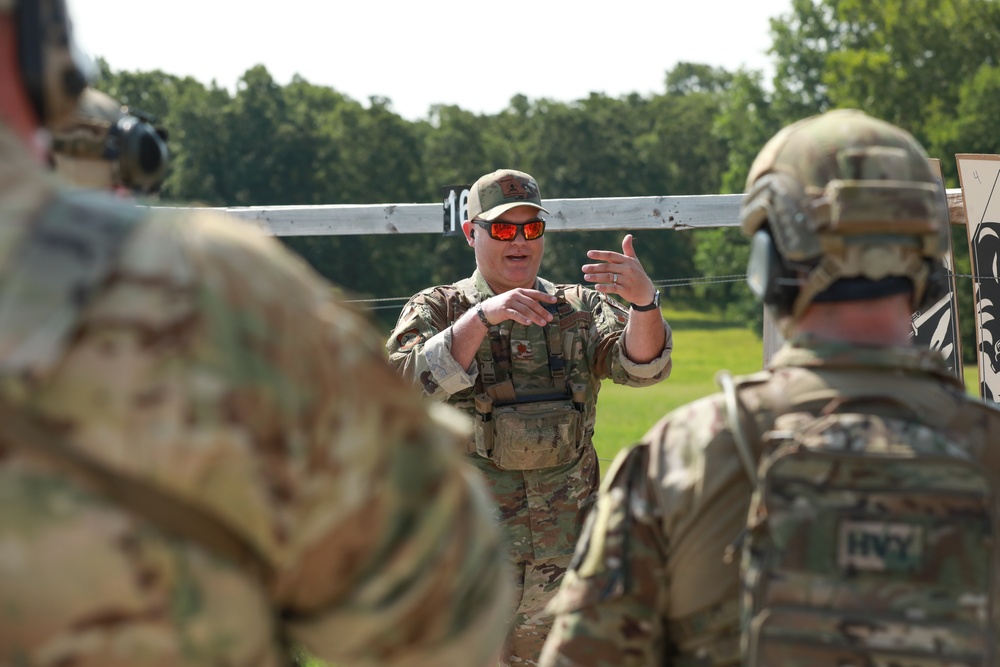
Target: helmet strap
873, 262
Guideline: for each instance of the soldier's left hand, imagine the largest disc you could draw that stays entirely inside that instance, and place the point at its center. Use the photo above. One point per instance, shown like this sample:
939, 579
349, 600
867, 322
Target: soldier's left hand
620, 273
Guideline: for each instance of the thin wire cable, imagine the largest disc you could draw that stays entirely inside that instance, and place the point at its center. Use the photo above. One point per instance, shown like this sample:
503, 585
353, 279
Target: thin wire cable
394, 301
385, 303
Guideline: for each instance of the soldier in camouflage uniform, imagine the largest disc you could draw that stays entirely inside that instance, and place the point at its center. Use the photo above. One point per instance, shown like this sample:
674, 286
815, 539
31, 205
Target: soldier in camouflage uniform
525, 359
108, 146
847, 228
204, 457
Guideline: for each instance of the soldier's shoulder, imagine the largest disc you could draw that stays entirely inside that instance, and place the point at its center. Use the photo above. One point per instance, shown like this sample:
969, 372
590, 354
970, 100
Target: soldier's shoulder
707, 420
973, 413
439, 292
694, 423
439, 299
221, 244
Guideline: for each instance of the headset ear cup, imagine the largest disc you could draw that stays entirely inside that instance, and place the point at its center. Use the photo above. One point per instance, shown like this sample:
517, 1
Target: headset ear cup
142, 156
768, 277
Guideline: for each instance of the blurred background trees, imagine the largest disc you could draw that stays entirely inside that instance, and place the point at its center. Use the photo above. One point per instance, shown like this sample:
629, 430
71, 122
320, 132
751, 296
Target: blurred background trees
930, 66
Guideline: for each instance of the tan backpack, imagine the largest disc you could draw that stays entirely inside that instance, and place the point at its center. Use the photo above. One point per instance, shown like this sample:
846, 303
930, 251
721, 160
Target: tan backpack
869, 542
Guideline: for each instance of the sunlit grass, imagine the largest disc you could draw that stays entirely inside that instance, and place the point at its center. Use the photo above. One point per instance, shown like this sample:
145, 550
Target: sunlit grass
703, 345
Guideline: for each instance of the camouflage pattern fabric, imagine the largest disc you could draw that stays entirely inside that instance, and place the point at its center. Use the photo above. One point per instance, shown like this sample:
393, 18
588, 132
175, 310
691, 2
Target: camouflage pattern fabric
542, 511
869, 541
535, 582
216, 367
655, 578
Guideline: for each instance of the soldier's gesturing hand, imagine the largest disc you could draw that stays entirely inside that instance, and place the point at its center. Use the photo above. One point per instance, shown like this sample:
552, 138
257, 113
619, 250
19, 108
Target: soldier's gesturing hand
621, 274
522, 305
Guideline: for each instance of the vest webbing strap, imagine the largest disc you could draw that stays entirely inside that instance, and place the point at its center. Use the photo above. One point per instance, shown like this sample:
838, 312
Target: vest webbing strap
495, 364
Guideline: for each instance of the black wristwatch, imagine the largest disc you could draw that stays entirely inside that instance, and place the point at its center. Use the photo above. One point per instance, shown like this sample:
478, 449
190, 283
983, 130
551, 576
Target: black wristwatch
649, 306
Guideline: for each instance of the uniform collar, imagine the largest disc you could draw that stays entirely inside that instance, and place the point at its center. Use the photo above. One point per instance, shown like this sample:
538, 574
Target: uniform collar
477, 289
806, 350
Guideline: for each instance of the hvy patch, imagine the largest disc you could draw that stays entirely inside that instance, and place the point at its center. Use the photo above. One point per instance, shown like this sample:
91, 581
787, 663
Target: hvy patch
879, 546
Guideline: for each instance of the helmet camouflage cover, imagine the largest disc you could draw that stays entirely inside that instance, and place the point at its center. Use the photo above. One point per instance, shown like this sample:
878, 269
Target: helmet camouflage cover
847, 196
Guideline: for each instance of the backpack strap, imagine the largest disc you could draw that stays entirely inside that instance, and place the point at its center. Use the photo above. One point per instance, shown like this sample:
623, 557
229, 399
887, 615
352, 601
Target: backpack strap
725, 380
553, 341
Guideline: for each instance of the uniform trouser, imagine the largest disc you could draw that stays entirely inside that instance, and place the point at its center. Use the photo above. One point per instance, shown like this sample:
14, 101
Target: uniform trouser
536, 582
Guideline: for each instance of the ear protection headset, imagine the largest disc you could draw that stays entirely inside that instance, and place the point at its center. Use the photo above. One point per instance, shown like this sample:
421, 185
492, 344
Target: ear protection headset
53, 68
140, 152
769, 278
101, 130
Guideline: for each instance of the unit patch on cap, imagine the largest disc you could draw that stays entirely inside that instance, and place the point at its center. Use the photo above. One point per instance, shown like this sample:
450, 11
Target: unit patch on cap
513, 188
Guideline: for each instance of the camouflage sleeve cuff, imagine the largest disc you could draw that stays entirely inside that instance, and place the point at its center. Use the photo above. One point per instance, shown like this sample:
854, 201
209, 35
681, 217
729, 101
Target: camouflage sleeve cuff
448, 374
655, 368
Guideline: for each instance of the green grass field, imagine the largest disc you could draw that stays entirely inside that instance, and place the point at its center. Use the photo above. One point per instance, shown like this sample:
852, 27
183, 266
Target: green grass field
703, 345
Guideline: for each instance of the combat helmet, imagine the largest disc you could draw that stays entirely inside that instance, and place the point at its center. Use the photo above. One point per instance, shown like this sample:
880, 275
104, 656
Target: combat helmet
105, 144
842, 206
54, 70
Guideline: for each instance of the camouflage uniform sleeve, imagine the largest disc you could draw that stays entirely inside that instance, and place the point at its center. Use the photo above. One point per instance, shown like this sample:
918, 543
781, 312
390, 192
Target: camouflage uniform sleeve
607, 347
288, 423
392, 556
608, 606
420, 346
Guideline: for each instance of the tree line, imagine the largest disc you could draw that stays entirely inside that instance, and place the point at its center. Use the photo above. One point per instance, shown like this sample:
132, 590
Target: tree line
929, 66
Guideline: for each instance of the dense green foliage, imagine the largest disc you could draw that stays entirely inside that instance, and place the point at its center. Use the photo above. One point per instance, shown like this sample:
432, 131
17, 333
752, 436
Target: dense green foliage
930, 66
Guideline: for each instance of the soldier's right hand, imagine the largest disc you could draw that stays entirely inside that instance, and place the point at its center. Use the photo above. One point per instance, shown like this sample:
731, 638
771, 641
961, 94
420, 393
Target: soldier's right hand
522, 305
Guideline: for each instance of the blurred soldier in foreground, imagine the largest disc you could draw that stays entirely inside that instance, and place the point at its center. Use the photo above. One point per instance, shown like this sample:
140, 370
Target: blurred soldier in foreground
204, 458
837, 508
106, 145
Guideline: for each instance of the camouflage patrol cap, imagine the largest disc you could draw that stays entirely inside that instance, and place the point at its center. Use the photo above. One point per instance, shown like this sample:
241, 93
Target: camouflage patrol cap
845, 195
500, 191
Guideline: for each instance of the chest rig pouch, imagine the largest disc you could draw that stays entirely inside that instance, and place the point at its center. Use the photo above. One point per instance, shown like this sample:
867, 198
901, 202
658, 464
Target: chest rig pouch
528, 430
869, 541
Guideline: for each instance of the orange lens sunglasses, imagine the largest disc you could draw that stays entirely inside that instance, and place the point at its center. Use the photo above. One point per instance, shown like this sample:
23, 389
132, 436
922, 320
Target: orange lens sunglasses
507, 231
